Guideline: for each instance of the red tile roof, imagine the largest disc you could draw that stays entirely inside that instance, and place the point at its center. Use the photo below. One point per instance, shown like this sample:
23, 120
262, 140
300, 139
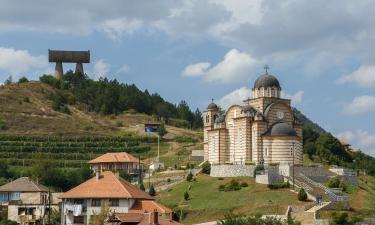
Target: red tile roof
108, 185
143, 206
115, 157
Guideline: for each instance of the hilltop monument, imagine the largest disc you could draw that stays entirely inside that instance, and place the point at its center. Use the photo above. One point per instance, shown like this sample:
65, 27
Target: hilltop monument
60, 56
262, 130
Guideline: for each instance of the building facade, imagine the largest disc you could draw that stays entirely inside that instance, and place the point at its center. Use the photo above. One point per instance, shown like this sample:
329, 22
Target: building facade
84, 202
261, 130
27, 202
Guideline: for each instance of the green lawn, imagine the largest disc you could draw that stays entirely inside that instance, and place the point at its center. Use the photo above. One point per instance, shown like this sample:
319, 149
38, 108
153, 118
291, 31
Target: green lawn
207, 203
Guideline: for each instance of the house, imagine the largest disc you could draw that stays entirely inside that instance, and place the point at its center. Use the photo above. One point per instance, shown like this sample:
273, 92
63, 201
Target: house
117, 161
26, 201
84, 202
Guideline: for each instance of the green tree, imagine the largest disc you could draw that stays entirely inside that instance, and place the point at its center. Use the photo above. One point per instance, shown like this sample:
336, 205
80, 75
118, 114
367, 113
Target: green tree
302, 195
206, 168
142, 187
100, 218
152, 190
189, 177
8, 222
4, 169
162, 131
186, 195
9, 80
330, 149
23, 80
124, 175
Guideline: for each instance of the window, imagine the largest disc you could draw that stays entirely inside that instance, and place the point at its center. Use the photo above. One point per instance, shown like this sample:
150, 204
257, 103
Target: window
291, 151
96, 202
78, 220
207, 119
113, 202
15, 196
266, 152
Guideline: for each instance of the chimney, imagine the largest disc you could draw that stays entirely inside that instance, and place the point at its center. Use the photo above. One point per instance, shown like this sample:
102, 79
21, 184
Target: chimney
97, 175
154, 217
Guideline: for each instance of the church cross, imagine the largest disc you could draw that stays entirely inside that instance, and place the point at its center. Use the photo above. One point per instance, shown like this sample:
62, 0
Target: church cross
266, 67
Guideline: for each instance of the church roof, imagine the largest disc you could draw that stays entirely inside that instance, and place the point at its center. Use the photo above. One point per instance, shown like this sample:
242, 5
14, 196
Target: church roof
281, 129
266, 80
212, 105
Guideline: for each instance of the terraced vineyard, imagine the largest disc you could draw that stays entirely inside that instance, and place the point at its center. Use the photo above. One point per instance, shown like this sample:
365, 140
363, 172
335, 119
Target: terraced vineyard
68, 152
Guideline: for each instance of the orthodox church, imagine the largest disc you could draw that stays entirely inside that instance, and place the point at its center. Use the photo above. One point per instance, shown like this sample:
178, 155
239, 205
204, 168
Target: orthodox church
262, 130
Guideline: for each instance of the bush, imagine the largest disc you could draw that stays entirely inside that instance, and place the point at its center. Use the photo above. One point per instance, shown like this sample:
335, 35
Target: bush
23, 80
189, 177
279, 185
302, 195
259, 167
186, 196
2, 125
206, 168
344, 219
152, 190
233, 185
142, 187
244, 184
169, 180
334, 182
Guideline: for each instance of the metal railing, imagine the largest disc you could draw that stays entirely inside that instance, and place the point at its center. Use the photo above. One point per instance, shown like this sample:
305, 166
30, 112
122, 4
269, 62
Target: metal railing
329, 192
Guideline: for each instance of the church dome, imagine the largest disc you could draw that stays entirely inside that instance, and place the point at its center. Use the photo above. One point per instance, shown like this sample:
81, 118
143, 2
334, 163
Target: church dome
266, 80
212, 106
282, 129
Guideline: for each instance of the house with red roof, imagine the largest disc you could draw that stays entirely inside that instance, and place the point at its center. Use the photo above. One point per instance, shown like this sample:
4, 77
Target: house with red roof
123, 199
117, 161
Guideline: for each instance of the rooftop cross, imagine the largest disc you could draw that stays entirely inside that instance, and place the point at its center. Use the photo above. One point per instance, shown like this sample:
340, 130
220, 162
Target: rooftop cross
212, 99
266, 67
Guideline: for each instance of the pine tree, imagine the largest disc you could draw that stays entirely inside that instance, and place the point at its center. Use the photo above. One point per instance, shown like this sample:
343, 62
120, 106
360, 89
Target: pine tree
152, 191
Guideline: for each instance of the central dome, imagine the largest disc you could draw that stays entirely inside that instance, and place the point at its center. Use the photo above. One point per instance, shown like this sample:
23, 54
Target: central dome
265, 81
282, 129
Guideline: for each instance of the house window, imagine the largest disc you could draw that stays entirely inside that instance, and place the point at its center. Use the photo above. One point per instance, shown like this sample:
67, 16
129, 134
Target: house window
14, 196
78, 220
124, 166
113, 202
96, 202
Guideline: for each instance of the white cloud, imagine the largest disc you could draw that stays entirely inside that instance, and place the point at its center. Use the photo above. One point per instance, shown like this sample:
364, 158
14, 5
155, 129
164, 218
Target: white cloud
234, 67
194, 70
116, 28
17, 62
101, 69
360, 104
359, 140
364, 76
235, 97
296, 97
124, 69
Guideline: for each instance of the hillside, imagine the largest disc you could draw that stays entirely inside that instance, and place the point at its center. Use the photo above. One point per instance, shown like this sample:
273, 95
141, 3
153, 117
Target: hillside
307, 122
27, 109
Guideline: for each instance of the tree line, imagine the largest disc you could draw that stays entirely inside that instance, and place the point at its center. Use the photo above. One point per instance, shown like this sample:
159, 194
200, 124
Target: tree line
106, 96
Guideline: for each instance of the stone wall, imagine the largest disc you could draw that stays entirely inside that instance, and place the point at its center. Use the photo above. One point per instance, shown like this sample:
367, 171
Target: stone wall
232, 170
271, 175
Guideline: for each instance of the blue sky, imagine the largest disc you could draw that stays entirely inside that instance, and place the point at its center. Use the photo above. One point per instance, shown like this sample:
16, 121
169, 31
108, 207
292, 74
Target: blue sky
194, 50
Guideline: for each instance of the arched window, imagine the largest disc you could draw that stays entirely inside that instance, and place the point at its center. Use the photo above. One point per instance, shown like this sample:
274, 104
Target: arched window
291, 151
265, 152
215, 116
207, 118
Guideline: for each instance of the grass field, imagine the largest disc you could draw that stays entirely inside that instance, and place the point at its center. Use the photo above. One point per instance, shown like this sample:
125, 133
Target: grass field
207, 203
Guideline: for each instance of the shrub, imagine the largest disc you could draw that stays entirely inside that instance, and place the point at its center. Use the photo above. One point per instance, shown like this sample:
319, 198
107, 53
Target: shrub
279, 185
142, 187
23, 80
124, 175
259, 167
220, 178
244, 184
186, 196
152, 190
169, 180
334, 182
302, 195
189, 177
206, 168
119, 124
233, 185
2, 125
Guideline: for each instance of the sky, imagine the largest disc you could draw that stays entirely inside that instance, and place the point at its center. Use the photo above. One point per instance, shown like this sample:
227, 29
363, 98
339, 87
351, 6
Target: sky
322, 52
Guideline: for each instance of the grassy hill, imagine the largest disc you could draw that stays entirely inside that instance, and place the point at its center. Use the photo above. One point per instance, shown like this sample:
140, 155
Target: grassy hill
26, 109
207, 203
